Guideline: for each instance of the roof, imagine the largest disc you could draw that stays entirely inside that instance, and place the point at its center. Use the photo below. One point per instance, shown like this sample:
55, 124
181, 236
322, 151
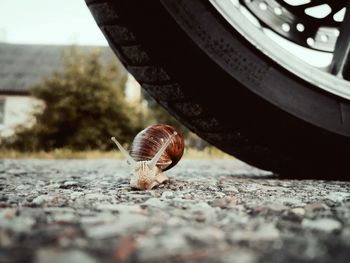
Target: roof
22, 66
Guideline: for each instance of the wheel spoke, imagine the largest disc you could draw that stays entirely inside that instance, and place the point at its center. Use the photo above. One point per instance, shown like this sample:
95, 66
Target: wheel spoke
340, 65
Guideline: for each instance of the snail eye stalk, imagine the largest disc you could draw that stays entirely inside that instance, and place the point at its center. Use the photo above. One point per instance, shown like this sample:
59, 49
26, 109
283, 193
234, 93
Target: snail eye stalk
152, 163
124, 152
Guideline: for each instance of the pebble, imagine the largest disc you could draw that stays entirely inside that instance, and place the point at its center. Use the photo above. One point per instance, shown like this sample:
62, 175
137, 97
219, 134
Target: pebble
124, 223
345, 235
120, 208
96, 196
206, 235
338, 196
65, 217
327, 225
76, 195
41, 199
154, 202
291, 201
298, 211
11, 222
224, 202
240, 256
70, 183
157, 248
203, 212
230, 188
56, 256
5, 239
266, 232
52, 186
167, 195
315, 207
100, 218
22, 187
175, 222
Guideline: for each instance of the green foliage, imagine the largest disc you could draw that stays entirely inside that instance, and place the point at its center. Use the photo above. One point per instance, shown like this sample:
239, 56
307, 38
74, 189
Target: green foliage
84, 105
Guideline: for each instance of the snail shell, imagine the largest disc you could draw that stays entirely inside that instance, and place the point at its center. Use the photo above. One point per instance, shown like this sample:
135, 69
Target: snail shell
154, 150
148, 142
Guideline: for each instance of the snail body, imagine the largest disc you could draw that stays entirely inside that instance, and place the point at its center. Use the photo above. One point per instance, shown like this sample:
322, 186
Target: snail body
153, 151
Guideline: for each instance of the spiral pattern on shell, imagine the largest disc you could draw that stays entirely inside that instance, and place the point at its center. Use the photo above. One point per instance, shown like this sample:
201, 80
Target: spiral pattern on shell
148, 142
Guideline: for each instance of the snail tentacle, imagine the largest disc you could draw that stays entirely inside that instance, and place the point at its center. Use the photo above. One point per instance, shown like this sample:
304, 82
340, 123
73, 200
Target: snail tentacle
158, 155
131, 161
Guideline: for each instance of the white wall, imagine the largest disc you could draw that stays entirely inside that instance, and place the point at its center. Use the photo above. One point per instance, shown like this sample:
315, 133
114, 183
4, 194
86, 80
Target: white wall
17, 111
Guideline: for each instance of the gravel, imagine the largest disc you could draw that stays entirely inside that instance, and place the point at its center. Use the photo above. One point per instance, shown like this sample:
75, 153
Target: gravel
209, 211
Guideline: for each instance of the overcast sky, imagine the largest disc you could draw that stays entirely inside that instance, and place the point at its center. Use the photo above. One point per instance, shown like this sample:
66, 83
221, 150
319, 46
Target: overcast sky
48, 22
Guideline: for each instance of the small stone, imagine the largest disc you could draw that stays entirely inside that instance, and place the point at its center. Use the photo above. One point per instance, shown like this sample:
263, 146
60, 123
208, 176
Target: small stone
345, 235
124, 224
154, 202
173, 242
16, 172
56, 210
52, 186
202, 212
175, 222
202, 206
277, 208
298, 211
187, 196
56, 256
96, 196
252, 187
8, 213
3, 198
22, 187
5, 239
266, 232
158, 248
40, 183
240, 256
126, 247
324, 224
230, 188
291, 201
167, 195
18, 224
212, 188
41, 199
338, 196
65, 217
314, 207
101, 218
224, 202
120, 208
69, 184
207, 235
76, 195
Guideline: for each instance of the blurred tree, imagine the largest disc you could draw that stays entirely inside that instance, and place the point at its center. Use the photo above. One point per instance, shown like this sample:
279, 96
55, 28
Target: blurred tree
84, 105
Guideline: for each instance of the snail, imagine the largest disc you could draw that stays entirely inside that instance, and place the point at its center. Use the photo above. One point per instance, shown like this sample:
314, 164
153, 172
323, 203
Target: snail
154, 150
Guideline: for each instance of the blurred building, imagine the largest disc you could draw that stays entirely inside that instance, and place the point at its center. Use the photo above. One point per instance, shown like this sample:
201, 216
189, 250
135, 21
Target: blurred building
23, 66
133, 90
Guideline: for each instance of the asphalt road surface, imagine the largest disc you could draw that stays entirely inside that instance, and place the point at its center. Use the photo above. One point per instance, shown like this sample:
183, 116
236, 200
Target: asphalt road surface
210, 211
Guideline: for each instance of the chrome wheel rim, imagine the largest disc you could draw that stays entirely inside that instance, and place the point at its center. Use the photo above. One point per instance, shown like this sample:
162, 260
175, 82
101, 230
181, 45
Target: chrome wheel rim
274, 41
